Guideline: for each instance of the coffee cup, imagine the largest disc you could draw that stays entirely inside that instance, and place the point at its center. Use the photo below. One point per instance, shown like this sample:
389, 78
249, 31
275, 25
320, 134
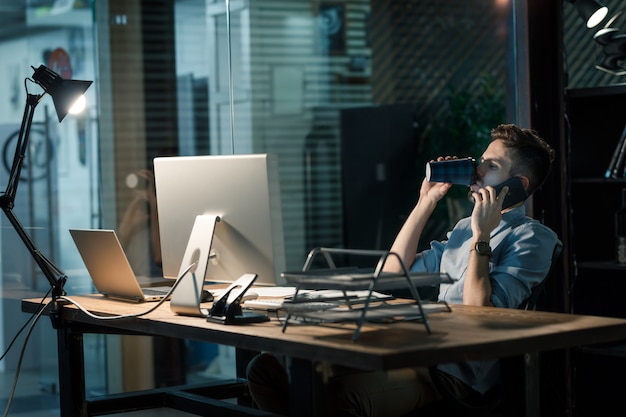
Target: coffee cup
460, 171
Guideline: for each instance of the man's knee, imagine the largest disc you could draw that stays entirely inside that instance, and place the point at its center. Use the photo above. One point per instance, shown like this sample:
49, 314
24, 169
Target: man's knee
268, 383
265, 368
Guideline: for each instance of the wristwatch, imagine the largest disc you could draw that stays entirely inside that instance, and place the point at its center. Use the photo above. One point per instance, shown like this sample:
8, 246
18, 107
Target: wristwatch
482, 248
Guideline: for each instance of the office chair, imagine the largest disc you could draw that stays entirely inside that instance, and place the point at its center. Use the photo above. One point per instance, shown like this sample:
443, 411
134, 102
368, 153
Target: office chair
531, 302
487, 404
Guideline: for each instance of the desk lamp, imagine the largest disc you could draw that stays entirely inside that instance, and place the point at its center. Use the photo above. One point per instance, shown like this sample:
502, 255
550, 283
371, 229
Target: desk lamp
64, 94
612, 44
591, 11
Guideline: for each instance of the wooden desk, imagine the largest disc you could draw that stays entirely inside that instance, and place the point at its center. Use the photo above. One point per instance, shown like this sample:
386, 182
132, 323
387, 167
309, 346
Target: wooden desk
464, 334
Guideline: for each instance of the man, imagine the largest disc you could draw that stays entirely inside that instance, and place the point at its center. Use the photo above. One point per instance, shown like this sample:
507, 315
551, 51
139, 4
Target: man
495, 257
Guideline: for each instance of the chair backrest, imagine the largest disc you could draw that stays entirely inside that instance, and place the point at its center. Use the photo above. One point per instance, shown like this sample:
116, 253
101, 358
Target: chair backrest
531, 302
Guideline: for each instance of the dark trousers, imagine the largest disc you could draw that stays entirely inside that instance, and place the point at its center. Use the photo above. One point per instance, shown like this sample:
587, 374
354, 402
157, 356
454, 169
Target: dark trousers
352, 393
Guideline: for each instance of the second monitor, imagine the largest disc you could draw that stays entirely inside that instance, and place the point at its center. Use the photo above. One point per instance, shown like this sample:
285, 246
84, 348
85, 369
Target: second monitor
244, 192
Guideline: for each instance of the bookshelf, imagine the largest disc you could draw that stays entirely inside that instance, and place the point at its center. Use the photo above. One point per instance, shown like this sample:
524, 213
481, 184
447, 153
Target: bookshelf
616, 168
597, 119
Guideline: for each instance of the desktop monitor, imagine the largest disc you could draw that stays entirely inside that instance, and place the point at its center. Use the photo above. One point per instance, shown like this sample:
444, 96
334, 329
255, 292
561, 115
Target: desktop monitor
244, 192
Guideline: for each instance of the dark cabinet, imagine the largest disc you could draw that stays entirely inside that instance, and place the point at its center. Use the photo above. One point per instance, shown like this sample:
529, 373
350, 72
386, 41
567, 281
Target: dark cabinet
596, 118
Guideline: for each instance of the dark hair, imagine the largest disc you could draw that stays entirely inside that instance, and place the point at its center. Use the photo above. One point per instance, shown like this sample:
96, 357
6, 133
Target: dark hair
532, 157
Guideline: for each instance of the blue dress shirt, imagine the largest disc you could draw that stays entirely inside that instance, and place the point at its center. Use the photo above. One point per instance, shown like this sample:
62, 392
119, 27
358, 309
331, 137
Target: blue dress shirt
521, 258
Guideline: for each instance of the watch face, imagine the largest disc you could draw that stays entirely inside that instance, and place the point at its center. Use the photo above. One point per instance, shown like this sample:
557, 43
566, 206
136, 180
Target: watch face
482, 248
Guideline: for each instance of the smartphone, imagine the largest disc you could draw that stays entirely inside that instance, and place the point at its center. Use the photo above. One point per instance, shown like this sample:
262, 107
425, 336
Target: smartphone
516, 193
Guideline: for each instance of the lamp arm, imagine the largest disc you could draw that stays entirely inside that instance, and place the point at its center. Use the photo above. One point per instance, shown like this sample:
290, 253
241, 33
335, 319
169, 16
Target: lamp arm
21, 147
54, 275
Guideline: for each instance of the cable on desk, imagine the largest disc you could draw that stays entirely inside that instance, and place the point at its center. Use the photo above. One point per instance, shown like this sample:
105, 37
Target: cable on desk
126, 316
36, 317
41, 306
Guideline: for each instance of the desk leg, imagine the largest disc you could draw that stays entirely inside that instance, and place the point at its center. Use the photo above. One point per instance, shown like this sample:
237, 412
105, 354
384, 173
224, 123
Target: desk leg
531, 372
71, 373
521, 398
307, 397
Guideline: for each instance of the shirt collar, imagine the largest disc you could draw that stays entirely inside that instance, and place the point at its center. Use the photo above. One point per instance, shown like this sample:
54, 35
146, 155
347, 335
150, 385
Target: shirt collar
510, 219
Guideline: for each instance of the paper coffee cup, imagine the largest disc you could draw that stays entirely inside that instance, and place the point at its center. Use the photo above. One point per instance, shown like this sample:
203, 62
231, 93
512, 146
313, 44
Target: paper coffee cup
455, 171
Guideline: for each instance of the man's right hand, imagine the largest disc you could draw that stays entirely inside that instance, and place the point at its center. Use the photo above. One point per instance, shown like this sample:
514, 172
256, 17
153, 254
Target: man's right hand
434, 191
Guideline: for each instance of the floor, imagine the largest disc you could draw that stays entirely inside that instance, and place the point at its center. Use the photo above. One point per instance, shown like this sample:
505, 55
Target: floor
30, 399
36, 397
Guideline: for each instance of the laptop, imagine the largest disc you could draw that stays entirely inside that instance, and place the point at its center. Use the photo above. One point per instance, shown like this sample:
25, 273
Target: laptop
109, 268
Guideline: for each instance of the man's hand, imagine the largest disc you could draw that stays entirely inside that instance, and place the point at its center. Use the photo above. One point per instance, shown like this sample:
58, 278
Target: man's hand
487, 211
435, 191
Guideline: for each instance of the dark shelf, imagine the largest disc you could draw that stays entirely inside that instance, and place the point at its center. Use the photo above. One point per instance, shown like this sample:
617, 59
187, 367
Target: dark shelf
595, 368
617, 350
596, 119
598, 180
608, 90
602, 265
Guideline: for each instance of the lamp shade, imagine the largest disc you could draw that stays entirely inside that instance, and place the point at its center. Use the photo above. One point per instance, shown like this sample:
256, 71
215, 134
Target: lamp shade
592, 11
64, 93
613, 46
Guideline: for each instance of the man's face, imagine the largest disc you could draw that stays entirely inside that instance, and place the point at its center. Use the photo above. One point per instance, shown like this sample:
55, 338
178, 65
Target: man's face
494, 167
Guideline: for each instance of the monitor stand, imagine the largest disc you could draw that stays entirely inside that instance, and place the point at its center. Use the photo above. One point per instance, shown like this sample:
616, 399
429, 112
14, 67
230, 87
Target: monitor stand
187, 296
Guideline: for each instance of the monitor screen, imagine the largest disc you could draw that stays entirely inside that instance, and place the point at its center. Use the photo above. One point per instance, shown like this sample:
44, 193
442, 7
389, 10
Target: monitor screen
244, 192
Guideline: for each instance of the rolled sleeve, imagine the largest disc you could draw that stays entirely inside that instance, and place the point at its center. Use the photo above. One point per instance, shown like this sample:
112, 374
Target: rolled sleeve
429, 260
520, 262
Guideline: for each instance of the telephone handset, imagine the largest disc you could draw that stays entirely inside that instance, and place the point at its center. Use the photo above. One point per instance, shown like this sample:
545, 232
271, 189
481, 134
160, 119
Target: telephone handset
516, 193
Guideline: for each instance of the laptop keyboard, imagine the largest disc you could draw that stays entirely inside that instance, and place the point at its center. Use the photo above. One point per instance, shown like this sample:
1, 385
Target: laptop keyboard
156, 290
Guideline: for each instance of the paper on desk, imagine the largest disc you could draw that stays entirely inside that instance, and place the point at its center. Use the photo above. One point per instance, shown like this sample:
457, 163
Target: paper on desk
338, 294
276, 292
